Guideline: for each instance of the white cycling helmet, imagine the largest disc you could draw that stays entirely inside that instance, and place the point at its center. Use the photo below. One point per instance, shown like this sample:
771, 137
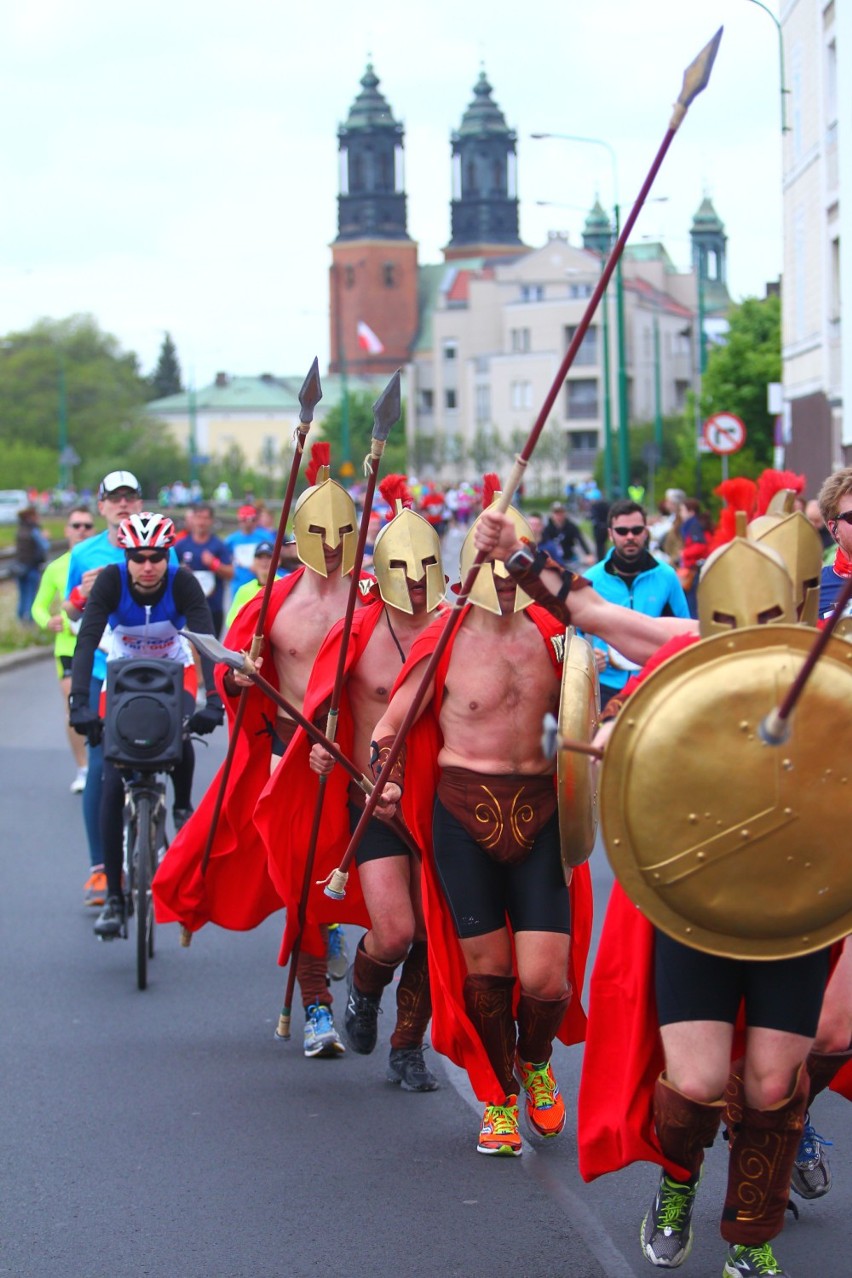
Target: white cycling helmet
147, 531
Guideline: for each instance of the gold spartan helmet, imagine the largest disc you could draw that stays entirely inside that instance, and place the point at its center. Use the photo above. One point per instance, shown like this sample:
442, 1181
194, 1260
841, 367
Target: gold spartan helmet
484, 591
743, 583
407, 547
798, 543
324, 516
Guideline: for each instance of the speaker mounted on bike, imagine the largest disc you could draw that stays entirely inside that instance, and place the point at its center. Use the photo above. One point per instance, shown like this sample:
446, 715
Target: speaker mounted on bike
143, 727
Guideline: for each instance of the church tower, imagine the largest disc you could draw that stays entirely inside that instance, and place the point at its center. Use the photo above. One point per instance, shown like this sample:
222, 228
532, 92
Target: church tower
709, 242
373, 277
484, 208
598, 234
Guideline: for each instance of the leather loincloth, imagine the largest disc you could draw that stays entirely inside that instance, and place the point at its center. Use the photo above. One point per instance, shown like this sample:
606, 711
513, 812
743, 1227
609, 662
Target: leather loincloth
502, 813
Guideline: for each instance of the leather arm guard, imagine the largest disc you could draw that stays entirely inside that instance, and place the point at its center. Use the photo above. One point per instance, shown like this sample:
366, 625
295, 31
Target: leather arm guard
379, 753
526, 565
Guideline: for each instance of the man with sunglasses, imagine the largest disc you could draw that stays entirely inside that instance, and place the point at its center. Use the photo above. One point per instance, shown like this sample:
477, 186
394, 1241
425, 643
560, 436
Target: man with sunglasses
146, 603
630, 575
50, 617
835, 504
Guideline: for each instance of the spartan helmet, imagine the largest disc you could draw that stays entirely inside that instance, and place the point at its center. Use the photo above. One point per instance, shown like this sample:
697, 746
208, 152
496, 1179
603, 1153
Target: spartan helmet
484, 592
743, 583
325, 515
789, 533
408, 548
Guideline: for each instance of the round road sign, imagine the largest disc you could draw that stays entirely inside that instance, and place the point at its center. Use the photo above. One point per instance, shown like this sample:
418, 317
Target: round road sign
724, 433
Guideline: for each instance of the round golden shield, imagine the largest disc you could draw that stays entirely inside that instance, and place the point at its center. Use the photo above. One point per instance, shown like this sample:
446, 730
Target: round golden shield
726, 843
577, 774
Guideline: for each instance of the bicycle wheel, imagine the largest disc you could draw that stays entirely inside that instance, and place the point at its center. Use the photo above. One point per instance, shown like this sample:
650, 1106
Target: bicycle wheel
159, 844
142, 875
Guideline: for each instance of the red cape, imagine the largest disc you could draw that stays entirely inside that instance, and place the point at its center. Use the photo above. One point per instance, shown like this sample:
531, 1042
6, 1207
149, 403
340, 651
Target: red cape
285, 810
237, 891
623, 1055
453, 1033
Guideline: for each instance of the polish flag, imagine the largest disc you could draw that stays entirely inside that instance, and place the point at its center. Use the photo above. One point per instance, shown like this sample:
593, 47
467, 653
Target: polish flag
367, 339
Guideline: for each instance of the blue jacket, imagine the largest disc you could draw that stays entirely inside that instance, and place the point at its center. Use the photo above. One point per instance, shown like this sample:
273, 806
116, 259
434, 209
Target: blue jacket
655, 592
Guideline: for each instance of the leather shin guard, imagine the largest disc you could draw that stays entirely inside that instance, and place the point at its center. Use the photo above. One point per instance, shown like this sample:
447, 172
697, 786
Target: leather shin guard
311, 973
685, 1127
370, 975
822, 1066
488, 1002
413, 999
538, 1022
764, 1143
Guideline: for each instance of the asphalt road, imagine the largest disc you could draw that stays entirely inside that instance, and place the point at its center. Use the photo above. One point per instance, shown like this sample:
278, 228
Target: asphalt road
165, 1132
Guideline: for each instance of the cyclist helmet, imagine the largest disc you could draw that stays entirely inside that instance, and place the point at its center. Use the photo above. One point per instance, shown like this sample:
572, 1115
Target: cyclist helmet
147, 531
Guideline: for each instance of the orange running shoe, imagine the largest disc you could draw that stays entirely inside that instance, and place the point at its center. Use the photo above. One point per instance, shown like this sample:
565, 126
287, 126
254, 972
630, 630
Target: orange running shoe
500, 1134
545, 1109
95, 888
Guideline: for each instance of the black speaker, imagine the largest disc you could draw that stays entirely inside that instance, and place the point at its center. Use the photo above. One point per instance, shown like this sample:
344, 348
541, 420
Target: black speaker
144, 713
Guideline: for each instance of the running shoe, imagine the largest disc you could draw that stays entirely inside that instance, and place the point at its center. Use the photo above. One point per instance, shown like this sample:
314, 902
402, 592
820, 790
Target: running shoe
95, 888
361, 1018
407, 1067
321, 1038
544, 1108
337, 959
752, 1262
110, 921
811, 1170
78, 785
500, 1133
666, 1233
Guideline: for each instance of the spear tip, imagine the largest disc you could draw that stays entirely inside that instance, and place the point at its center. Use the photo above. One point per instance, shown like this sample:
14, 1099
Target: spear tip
310, 394
696, 77
387, 408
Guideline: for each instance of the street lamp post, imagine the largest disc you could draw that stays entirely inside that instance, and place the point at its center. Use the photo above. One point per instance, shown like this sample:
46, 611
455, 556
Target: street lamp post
785, 127
623, 441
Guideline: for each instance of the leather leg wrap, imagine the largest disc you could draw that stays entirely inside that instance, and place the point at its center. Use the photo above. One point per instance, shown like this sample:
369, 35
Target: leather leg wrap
764, 1143
538, 1022
413, 999
822, 1066
371, 975
311, 973
685, 1127
488, 1002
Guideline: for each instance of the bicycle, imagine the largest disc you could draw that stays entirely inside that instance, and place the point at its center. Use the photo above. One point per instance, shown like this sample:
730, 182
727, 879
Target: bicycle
145, 843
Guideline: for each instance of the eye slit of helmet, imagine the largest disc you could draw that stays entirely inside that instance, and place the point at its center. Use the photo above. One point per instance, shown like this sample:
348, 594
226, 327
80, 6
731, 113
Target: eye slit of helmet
345, 528
397, 563
769, 614
316, 528
725, 619
429, 561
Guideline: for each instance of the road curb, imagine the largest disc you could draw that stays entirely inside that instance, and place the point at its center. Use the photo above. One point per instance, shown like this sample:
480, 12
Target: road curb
24, 657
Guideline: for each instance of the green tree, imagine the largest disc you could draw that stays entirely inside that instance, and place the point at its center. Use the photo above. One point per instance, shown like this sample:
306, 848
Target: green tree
166, 378
395, 456
739, 372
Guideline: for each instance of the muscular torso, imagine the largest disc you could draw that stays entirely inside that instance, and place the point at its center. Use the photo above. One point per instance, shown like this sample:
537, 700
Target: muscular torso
302, 622
499, 686
372, 678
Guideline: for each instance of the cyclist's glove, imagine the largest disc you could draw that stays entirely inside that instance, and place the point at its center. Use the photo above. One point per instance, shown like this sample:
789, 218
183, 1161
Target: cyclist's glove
208, 718
86, 721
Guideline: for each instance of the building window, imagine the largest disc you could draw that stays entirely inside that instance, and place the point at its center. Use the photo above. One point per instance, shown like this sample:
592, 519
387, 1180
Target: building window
521, 393
587, 355
450, 399
579, 290
532, 292
582, 398
450, 348
427, 401
519, 339
389, 274
582, 449
349, 276
483, 403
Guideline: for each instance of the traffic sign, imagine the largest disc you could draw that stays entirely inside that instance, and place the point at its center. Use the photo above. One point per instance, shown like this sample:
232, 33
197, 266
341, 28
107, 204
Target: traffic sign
724, 433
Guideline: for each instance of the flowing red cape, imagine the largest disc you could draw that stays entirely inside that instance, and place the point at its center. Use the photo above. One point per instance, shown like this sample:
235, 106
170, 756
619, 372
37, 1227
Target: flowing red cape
285, 810
237, 891
623, 1056
453, 1033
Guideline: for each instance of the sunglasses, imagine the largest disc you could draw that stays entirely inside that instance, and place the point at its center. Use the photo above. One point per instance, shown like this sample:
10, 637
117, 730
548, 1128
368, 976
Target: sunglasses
147, 556
78, 526
845, 518
635, 531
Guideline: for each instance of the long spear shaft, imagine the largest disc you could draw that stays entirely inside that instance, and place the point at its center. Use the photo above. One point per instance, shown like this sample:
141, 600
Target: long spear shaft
386, 412
775, 728
309, 396
695, 79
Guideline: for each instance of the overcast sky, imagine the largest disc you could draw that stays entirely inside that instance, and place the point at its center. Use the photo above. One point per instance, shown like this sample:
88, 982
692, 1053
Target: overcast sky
173, 166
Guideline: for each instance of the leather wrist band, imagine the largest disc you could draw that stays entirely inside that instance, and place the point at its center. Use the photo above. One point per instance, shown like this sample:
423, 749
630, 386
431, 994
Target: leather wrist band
379, 753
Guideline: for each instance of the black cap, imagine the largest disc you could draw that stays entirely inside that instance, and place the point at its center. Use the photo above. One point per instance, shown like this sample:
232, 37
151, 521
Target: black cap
263, 550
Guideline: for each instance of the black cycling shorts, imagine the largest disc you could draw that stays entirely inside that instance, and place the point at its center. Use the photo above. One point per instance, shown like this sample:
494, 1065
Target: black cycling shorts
481, 892
379, 839
779, 994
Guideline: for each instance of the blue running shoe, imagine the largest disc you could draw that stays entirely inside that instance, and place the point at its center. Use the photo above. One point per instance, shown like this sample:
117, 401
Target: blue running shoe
337, 959
321, 1038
